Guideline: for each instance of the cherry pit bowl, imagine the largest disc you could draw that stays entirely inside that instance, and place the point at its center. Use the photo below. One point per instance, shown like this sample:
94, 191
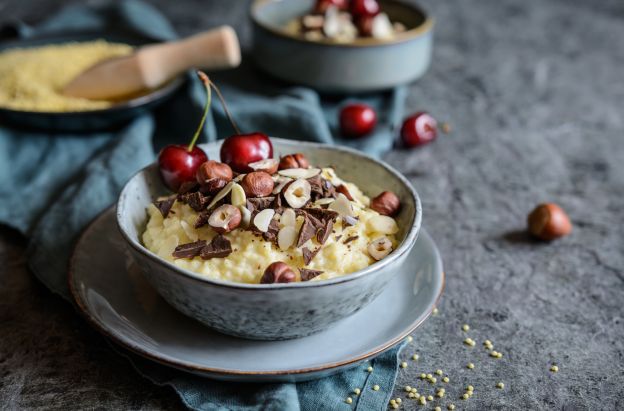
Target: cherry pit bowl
273, 311
366, 64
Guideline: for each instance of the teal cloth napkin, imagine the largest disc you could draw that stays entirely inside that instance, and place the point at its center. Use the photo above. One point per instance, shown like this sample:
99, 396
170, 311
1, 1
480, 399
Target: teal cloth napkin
52, 185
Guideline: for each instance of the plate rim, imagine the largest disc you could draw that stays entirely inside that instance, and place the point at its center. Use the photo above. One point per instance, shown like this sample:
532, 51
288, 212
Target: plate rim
203, 370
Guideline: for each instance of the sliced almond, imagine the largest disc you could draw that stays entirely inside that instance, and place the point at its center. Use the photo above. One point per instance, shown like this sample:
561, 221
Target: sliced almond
268, 165
238, 197
288, 218
286, 237
304, 173
280, 183
221, 194
245, 216
239, 177
297, 193
342, 206
380, 248
382, 27
263, 219
189, 230
382, 224
323, 201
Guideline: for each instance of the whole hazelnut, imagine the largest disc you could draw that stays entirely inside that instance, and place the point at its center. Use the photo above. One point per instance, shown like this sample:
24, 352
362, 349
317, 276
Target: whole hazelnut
268, 165
548, 221
225, 218
257, 184
386, 203
296, 160
344, 190
213, 169
278, 272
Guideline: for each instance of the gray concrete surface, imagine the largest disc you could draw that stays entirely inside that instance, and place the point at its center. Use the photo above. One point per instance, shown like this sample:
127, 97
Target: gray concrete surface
534, 91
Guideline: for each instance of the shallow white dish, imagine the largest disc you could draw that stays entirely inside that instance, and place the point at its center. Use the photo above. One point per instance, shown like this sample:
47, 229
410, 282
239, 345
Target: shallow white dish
113, 295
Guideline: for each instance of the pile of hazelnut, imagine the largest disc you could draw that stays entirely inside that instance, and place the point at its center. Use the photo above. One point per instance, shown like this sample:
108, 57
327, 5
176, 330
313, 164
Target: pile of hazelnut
346, 20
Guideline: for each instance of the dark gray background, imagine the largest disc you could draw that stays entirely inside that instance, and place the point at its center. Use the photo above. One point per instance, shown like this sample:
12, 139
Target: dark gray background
534, 91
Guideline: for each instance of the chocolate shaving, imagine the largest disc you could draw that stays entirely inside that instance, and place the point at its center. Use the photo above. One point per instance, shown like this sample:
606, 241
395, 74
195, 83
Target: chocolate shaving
219, 247
197, 201
351, 238
316, 184
308, 254
189, 250
328, 189
338, 237
323, 234
307, 275
277, 203
307, 230
164, 206
259, 203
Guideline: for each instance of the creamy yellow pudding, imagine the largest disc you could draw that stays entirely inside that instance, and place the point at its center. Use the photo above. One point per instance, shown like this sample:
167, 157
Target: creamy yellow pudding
358, 235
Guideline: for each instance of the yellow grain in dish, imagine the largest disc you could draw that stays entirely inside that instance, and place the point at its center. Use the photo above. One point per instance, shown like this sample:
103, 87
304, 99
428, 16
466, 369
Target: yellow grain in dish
31, 79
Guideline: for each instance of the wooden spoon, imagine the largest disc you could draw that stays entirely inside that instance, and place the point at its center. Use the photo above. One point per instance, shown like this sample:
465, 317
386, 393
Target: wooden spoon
153, 65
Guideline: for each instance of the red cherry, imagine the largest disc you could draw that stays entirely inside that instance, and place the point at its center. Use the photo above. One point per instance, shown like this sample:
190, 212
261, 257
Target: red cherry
364, 8
419, 129
239, 150
178, 165
321, 6
357, 120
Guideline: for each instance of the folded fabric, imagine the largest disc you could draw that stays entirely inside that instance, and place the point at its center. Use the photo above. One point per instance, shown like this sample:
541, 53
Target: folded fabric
52, 185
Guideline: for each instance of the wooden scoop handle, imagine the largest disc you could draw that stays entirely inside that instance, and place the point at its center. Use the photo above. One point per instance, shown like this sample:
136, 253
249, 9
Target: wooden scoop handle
214, 49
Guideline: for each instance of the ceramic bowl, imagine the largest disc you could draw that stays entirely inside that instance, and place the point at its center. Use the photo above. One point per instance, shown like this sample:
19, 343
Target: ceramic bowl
273, 311
364, 65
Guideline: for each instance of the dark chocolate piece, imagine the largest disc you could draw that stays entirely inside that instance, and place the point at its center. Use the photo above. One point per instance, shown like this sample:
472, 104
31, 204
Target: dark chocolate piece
328, 189
321, 213
307, 230
259, 203
219, 247
351, 238
189, 250
308, 254
188, 186
202, 220
164, 206
271, 234
307, 275
323, 234
316, 184
197, 201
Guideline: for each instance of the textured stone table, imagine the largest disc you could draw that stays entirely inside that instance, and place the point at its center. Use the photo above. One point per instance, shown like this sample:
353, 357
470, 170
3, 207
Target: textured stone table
535, 93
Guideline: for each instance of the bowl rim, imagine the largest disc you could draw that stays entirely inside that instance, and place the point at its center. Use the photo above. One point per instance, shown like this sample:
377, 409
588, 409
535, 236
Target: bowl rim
407, 243
425, 27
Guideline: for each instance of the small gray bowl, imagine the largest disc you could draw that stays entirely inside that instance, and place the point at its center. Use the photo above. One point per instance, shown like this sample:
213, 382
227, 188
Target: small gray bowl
272, 311
364, 65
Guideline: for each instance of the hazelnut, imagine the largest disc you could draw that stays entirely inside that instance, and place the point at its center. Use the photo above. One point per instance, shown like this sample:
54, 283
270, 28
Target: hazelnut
296, 160
548, 221
268, 165
257, 184
297, 193
213, 169
380, 248
225, 218
386, 203
213, 185
278, 272
344, 190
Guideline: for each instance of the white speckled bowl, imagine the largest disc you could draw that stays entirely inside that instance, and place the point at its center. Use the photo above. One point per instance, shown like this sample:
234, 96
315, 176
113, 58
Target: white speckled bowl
273, 311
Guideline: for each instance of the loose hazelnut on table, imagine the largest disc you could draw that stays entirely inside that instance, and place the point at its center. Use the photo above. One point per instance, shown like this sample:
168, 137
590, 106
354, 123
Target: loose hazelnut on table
257, 184
386, 203
278, 272
225, 218
213, 169
548, 221
296, 160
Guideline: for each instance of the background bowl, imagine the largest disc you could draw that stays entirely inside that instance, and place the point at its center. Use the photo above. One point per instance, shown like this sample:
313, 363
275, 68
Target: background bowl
364, 65
88, 120
272, 311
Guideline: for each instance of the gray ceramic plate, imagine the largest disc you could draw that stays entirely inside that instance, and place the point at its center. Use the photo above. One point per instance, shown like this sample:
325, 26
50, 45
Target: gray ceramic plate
113, 295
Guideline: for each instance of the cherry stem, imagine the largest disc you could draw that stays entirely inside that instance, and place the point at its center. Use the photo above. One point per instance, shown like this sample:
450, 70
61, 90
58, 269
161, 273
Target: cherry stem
204, 79
225, 108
